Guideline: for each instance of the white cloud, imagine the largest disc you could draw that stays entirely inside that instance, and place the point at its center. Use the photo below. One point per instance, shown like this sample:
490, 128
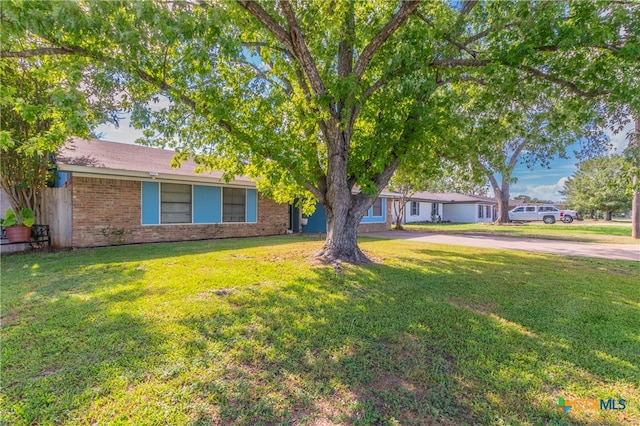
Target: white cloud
619, 140
124, 133
542, 192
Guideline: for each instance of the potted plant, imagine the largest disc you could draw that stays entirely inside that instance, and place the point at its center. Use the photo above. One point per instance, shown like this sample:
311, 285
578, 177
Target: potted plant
18, 226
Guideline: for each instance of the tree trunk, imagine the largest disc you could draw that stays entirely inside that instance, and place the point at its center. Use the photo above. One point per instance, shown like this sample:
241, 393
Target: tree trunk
635, 202
635, 211
503, 207
607, 215
401, 205
344, 210
399, 226
502, 194
341, 244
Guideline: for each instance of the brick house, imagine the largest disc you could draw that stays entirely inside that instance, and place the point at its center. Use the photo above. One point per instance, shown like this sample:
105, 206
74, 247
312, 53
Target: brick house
116, 193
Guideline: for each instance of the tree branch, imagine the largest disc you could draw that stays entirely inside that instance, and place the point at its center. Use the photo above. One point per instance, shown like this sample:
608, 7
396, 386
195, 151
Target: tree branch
514, 156
301, 50
569, 85
345, 47
272, 25
407, 8
486, 32
40, 51
268, 46
466, 8
453, 62
163, 85
457, 44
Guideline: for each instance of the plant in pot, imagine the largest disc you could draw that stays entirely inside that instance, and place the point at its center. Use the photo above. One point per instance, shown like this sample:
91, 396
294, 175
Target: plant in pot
18, 226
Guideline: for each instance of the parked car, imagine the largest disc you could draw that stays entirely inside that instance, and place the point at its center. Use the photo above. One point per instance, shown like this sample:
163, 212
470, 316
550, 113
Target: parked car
547, 214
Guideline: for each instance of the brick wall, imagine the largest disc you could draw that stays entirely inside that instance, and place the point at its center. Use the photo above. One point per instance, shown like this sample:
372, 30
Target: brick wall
110, 205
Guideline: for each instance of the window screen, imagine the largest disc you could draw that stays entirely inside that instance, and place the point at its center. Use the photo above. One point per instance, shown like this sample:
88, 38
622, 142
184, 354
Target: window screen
175, 203
377, 207
233, 205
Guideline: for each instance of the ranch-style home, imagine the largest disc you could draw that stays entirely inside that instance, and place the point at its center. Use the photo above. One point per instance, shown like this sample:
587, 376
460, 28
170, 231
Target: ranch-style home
449, 207
116, 193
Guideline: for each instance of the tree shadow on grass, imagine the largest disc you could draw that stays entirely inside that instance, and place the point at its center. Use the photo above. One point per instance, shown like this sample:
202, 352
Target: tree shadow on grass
63, 349
418, 344
37, 272
442, 337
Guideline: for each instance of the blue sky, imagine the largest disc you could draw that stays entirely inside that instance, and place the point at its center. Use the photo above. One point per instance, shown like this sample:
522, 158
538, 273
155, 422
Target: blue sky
539, 182
546, 183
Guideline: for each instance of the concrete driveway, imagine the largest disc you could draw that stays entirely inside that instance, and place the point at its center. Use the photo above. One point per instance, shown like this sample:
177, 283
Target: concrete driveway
566, 248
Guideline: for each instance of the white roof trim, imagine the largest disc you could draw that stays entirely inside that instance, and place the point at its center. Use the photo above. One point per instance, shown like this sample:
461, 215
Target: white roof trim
94, 172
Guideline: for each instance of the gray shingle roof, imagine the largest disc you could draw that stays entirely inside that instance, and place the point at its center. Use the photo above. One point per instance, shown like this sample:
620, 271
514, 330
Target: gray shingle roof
122, 157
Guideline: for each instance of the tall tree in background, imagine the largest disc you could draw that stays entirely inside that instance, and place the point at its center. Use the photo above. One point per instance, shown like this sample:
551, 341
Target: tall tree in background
600, 184
529, 131
42, 105
633, 154
326, 99
458, 178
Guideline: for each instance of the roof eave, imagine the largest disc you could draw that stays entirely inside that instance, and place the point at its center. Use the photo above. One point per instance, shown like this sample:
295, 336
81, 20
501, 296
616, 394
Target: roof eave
147, 176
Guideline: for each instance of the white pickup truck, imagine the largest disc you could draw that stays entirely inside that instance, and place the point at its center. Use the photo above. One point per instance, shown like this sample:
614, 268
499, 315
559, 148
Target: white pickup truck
547, 214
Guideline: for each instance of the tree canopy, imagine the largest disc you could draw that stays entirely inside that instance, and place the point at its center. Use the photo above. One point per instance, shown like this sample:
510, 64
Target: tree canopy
42, 104
600, 184
328, 98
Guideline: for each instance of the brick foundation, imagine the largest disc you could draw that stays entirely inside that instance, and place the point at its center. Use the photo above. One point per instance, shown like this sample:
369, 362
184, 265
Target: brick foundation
108, 206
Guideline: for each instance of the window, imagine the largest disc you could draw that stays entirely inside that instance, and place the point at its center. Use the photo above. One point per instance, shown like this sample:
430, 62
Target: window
487, 212
169, 203
530, 209
548, 209
519, 210
377, 208
434, 209
233, 204
480, 211
415, 208
175, 203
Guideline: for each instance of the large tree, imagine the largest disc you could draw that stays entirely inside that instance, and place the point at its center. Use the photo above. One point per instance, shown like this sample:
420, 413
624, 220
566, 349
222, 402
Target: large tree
535, 137
632, 153
601, 184
328, 98
43, 104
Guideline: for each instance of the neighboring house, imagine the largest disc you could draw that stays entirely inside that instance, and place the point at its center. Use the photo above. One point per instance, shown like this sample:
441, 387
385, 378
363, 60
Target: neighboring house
116, 193
449, 207
422, 207
378, 217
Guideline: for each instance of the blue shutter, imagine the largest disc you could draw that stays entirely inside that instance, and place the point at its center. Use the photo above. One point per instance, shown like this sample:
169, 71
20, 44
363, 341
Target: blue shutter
252, 206
207, 207
150, 203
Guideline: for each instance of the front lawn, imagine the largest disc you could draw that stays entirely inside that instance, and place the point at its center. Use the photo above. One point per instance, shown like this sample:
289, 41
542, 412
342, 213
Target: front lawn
576, 231
251, 332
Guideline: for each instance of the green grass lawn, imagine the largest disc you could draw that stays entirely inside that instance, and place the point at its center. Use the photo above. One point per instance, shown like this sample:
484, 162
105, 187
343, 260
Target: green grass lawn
251, 332
576, 231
